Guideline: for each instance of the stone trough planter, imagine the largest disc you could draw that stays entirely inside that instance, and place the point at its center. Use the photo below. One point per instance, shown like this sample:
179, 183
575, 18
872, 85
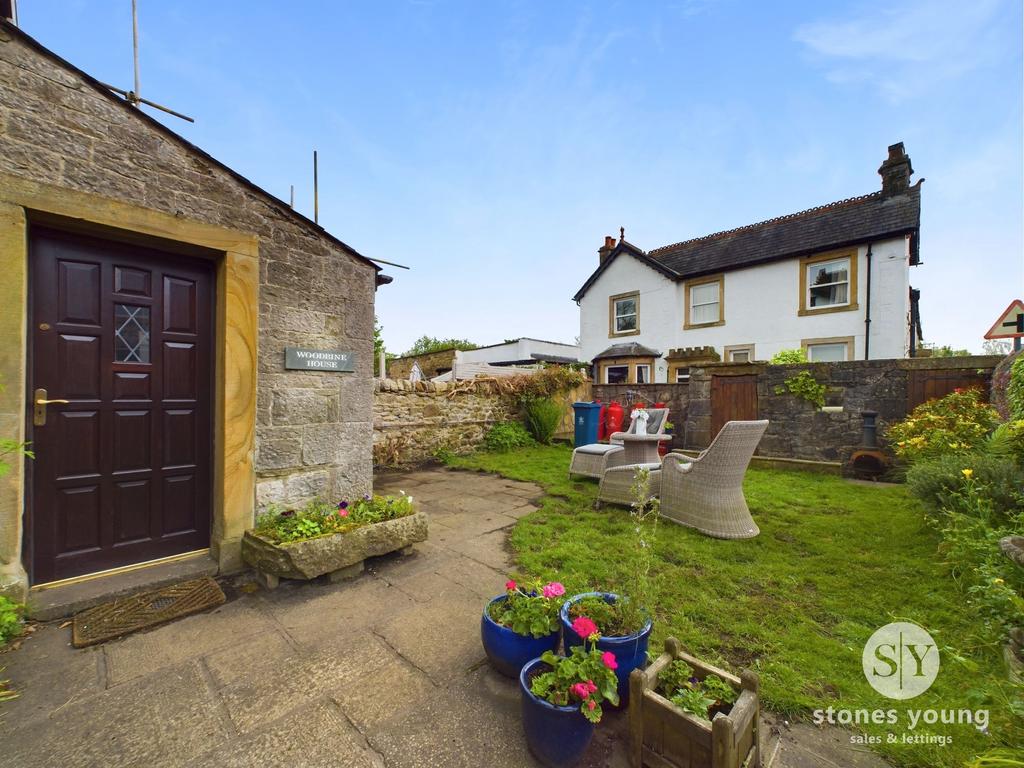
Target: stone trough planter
340, 555
664, 736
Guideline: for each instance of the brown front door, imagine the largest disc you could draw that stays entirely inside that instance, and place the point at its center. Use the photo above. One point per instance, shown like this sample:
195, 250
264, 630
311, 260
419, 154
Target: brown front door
122, 471
733, 398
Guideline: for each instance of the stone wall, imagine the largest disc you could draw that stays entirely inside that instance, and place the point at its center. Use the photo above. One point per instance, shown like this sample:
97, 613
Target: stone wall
412, 422
798, 430
431, 364
313, 430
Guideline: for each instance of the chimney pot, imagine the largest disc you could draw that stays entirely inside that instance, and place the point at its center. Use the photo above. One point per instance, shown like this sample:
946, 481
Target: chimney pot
606, 250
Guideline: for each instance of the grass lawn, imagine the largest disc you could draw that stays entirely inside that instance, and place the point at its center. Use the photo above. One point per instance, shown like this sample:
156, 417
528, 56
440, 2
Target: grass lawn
835, 561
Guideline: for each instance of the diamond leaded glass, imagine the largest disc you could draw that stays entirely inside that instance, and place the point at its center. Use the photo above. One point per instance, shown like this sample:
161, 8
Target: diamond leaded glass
131, 334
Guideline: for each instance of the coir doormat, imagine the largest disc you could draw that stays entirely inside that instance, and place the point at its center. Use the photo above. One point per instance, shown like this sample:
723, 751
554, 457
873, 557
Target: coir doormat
146, 609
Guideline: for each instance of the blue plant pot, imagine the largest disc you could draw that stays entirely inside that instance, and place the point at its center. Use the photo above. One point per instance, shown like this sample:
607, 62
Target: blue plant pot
630, 650
507, 650
557, 736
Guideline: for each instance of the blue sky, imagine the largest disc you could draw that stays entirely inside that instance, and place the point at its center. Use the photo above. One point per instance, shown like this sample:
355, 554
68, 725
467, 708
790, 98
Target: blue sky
492, 145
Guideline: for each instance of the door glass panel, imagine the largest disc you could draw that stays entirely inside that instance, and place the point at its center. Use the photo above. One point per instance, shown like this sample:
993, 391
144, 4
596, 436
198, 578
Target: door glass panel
131, 334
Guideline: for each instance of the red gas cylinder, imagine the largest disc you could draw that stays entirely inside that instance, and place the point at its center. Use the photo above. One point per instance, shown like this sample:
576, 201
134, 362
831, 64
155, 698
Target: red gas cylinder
602, 433
612, 419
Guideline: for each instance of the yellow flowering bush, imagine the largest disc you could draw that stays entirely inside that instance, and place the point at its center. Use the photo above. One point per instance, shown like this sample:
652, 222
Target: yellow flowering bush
960, 422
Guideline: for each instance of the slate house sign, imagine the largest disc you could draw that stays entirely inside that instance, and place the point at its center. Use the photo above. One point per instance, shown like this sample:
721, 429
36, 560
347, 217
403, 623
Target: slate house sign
299, 359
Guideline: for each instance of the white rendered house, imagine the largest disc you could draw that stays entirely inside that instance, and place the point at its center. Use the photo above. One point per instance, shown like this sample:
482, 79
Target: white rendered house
833, 280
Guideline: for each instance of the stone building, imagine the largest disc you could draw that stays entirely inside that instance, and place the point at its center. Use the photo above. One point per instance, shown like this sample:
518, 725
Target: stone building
149, 294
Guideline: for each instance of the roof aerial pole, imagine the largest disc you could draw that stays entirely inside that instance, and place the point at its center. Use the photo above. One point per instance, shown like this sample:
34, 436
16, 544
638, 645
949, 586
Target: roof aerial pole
133, 97
135, 49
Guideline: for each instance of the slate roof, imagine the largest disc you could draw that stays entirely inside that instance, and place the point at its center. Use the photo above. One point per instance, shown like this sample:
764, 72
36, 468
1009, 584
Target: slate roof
628, 350
836, 225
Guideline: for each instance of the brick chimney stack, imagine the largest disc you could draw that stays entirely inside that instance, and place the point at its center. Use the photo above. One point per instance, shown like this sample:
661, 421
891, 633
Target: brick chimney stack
606, 250
896, 171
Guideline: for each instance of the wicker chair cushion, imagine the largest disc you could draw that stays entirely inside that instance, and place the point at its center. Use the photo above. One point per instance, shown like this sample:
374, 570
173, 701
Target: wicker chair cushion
598, 449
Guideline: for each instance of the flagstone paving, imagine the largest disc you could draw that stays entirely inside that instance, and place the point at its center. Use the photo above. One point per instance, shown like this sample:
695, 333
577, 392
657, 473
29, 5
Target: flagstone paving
385, 671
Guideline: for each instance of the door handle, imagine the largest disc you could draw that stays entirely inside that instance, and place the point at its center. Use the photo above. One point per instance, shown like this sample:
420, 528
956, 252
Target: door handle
39, 407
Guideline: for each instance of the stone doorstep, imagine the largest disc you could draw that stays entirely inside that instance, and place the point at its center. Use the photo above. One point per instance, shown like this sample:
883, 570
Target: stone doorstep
69, 599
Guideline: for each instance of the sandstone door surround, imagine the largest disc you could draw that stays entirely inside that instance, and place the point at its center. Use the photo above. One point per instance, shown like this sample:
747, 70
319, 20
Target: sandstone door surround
236, 256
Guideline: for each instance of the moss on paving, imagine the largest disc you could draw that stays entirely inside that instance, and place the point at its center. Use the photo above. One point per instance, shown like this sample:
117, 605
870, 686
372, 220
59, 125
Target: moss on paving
835, 560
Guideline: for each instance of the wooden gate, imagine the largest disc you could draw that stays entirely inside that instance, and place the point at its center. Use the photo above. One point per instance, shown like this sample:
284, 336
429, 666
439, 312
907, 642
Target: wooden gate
925, 385
733, 398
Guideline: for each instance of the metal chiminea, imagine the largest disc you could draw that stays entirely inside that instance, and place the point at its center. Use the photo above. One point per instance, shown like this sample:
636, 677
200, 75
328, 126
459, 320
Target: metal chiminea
868, 462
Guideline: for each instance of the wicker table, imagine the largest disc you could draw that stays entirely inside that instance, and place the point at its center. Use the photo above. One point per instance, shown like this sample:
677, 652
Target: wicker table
642, 449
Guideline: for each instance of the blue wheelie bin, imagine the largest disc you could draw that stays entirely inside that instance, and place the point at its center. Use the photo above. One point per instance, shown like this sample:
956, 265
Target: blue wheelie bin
586, 415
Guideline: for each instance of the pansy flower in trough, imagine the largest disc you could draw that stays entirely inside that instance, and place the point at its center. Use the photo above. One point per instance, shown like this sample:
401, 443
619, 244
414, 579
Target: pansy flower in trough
319, 518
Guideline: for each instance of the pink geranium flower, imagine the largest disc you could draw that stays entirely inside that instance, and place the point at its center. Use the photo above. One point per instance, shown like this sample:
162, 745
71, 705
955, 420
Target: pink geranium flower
510, 585
554, 589
342, 513
584, 627
591, 704
582, 690
608, 659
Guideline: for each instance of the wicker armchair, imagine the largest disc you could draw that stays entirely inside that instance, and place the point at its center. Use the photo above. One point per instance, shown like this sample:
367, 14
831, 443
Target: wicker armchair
617, 483
655, 425
595, 459
706, 492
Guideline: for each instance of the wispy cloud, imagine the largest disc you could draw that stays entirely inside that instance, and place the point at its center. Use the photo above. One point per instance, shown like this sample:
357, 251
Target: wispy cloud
906, 49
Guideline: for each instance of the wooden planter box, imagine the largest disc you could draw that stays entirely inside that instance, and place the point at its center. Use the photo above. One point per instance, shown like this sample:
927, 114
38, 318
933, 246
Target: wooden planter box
664, 736
341, 555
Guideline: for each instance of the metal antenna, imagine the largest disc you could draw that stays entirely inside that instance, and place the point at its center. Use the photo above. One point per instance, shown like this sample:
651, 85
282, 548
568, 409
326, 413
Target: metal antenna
316, 192
292, 199
133, 97
135, 46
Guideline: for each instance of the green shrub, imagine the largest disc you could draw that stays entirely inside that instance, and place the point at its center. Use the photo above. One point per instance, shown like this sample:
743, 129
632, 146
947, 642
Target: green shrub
958, 423
542, 416
1007, 441
507, 435
788, 357
806, 387
938, 480
10, 619
1015, 390
971, 528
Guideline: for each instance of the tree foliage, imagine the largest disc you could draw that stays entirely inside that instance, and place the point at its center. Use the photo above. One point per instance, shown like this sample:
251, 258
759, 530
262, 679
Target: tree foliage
427, 344
788, 357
